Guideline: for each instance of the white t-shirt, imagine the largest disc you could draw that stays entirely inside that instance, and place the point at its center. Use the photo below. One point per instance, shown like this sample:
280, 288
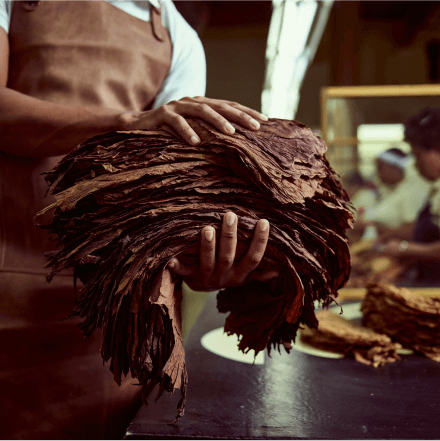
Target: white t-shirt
400, 205
187, 75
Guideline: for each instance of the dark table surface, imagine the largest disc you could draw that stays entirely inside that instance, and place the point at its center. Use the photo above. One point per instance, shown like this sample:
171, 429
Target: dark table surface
295, 395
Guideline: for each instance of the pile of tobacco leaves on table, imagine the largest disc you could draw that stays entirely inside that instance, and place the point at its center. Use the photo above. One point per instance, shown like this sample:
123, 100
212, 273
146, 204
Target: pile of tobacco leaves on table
338, 334
126, 202
410, 318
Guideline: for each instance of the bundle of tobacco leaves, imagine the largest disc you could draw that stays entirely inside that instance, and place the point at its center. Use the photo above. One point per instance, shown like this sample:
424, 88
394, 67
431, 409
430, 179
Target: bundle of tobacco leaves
126, 202
407, 317
338, 334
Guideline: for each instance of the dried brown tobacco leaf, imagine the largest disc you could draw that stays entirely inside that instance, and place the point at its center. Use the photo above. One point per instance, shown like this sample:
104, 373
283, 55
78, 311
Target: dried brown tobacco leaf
126, 202
338, 334
407, 317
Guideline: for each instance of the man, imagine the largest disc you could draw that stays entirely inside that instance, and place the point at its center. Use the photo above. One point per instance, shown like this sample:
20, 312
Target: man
68, 71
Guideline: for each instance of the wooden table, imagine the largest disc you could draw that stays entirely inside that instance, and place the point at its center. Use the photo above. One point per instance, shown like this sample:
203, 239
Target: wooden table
295, 396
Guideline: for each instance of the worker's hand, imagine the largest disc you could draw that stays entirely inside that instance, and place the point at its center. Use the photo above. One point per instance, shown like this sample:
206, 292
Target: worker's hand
216, 112
216, 273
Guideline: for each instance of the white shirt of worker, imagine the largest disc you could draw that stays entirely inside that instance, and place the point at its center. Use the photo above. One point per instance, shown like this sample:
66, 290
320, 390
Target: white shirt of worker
400, 204
187, 75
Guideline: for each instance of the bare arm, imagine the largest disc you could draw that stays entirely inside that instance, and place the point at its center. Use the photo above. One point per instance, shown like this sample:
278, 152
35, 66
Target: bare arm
405, 232
32, 127
419, 251
36, 128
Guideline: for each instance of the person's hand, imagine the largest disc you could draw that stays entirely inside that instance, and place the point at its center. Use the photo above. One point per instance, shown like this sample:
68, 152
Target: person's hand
216, 273
219, 113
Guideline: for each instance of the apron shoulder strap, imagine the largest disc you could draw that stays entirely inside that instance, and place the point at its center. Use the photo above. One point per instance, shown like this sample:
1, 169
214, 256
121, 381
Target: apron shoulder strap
156, 22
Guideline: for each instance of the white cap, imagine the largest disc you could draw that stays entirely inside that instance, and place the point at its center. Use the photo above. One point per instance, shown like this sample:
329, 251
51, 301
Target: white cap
393, 159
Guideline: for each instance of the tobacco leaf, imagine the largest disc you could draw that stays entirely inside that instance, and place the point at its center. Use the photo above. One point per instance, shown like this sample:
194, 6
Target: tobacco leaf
407, 317
126, 202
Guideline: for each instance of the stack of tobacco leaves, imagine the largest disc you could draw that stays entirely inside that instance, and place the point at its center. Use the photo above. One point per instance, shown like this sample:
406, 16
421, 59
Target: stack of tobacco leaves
126, 202
407, 317
338, 334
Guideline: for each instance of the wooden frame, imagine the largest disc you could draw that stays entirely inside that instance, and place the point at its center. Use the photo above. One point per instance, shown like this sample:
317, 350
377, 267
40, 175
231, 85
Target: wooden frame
371, 91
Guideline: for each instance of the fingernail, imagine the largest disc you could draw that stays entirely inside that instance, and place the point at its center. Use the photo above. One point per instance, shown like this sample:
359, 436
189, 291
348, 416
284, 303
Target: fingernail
209, 234
230, 218
255, 124
264, 224
171, 264
229, 128
195, 139
264, 117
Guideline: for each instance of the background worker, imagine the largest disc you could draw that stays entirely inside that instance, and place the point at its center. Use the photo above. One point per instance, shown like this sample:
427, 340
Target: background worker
400, 197
422, 131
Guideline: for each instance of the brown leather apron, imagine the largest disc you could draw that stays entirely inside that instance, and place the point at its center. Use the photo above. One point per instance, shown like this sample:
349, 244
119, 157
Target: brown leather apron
52, 382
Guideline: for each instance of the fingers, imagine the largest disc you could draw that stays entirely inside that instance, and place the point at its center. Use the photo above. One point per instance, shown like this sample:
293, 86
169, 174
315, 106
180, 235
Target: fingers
240, 114
180, 125
256, 250
207, 253
219, 113
227, 246
252, 112
205, 110
237, 113
220, 271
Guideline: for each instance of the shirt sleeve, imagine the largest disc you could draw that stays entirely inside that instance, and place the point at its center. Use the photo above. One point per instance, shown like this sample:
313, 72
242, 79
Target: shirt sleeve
401, 206
5, 8
187, 75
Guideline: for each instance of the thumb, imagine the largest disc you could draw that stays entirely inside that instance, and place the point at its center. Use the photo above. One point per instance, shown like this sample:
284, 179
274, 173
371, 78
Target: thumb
179, 268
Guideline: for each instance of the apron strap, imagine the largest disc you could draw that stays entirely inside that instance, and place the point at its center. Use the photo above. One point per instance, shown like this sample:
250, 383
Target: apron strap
156, 22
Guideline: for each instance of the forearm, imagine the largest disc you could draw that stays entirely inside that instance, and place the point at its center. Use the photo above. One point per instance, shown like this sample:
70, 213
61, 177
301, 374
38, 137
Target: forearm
36, 128
405, 232
423, 251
